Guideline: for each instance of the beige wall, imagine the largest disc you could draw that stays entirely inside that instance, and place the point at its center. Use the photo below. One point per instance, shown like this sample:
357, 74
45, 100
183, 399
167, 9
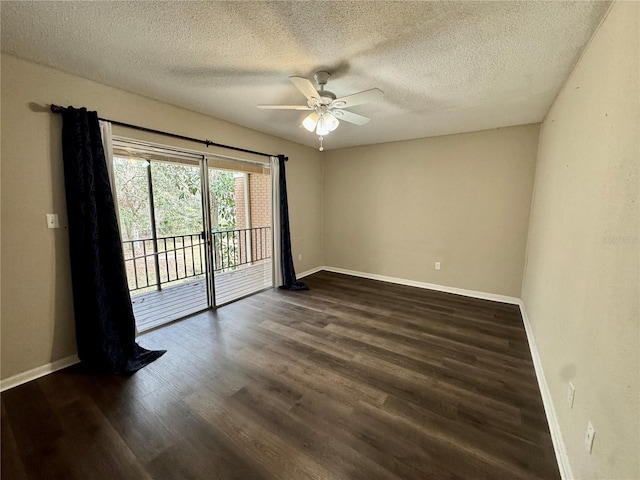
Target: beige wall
36, 305
464, 200
581, 282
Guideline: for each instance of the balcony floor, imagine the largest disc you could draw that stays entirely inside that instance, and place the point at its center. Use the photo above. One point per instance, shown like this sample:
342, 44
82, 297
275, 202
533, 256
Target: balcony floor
156, 308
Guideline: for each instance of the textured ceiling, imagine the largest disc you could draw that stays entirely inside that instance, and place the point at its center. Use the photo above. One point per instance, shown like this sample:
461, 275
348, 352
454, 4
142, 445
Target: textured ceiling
445, 67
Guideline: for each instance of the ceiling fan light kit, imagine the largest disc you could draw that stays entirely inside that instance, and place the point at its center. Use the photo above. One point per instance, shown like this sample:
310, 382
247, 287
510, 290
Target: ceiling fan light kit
325, 107
322, 122
310, 121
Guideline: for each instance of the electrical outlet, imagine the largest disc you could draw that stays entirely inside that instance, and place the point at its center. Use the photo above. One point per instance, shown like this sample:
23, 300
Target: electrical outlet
437, 265
300, 256
571, 394
588, 440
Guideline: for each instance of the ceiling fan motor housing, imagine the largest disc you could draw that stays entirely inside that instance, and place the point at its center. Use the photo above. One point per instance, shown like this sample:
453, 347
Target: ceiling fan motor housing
326, 97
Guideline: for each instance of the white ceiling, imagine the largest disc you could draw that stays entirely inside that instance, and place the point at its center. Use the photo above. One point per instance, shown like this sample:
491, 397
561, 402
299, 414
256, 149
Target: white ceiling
445, 67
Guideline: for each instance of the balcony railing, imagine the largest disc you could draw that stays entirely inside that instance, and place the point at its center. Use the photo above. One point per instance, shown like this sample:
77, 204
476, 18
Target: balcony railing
180, 257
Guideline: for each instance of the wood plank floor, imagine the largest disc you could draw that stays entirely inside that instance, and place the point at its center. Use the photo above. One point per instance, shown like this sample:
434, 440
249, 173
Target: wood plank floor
354, 379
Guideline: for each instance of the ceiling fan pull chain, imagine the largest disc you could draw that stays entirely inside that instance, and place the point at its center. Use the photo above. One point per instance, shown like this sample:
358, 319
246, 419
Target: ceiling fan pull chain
321, 147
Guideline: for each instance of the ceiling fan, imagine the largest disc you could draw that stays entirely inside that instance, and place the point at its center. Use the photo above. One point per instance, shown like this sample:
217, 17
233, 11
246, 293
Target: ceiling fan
326, 109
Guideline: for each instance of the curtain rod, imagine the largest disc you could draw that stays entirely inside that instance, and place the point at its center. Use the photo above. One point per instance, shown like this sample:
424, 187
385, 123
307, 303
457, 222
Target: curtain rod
208, 143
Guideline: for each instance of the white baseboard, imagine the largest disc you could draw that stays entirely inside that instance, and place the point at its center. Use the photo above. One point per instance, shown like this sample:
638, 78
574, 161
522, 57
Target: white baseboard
309, 272
550, 411
38, 372
429, 286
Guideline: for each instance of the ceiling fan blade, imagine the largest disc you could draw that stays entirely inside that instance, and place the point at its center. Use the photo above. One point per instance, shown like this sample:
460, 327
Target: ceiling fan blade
375, 94
285, 107
350, 117
305, 86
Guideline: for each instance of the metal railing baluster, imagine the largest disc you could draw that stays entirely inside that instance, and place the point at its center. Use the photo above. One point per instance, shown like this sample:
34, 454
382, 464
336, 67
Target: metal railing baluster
184, 257
175, 257
235, 250
166, 261
144, 253
135, 267
193, 258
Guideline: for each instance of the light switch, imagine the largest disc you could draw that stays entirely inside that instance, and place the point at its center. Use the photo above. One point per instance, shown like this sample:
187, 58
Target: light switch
52, 220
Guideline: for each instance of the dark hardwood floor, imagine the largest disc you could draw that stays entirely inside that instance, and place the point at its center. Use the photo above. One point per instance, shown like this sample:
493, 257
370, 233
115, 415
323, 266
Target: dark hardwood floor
354, 379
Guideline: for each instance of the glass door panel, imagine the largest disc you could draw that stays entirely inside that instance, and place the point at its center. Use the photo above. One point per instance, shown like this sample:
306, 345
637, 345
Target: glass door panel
240, 206
161, 217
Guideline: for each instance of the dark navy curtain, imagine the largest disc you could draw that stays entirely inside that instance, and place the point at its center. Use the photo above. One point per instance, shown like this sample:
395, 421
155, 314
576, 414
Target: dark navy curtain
289, 281
105, 325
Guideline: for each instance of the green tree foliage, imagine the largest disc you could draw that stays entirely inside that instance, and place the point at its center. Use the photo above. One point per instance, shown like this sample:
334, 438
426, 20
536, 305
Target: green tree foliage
133, 198
176, 191
222, 200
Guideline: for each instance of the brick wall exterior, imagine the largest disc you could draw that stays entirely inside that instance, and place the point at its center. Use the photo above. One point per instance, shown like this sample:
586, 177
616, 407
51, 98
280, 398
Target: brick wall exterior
241, 221
260, 192
260, 210
260, 203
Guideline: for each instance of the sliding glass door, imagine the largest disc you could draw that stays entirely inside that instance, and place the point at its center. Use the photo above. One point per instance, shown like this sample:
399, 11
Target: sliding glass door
196, 231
